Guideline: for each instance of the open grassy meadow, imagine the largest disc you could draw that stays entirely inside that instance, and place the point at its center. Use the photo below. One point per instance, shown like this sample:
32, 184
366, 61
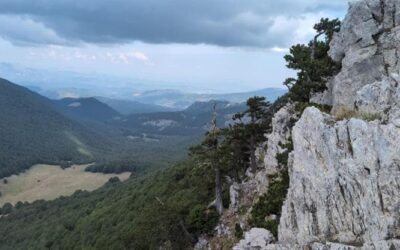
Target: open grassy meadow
49, 182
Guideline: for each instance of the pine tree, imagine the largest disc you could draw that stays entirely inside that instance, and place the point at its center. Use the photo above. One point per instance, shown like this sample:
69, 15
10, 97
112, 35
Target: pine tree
312, 62
210, 155
257, 127
236, 150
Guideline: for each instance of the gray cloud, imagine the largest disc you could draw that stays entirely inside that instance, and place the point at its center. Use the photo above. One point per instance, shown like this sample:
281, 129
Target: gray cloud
248, 23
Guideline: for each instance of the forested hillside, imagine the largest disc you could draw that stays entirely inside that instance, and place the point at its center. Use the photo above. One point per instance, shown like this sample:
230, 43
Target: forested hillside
32, 132
34, 129
85, 109
194, 120
169, 208
166, 208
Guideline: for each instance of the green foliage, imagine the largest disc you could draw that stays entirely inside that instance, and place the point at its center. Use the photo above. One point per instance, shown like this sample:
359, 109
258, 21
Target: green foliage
312, 63
229, 151
202, 220
283, 157
271, 203
114, 179
328, 28
32, 132
249, 134
260, 118
18, 205
236, 150
301, 106
7, 208
141, 213
90, 109
143, 157
238, 231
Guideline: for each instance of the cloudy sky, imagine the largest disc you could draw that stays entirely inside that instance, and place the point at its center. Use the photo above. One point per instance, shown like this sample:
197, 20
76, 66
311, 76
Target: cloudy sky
230, 45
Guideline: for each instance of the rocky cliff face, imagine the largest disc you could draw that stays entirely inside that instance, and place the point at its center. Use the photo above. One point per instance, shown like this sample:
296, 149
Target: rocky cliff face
345, 166
282, 123
344, 183
368, 46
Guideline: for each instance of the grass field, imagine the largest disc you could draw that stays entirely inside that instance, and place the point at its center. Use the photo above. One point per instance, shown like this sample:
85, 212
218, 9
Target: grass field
49, 182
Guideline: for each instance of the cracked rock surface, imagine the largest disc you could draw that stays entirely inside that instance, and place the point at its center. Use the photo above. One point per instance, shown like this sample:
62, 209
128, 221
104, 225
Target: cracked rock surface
344, 183
344, 189
368, 46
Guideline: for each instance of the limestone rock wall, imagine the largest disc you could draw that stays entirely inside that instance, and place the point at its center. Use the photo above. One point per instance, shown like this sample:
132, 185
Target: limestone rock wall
368, 47
344, 183
280, 135
344, 172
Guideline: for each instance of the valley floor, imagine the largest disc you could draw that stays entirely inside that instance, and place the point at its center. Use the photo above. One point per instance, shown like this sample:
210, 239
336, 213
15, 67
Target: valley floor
49, 182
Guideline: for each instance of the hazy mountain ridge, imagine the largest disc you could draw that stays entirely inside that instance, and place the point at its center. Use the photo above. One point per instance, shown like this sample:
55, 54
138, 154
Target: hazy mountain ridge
194, 120
127, 107
86, 109
34, 130
181, 100
62, 84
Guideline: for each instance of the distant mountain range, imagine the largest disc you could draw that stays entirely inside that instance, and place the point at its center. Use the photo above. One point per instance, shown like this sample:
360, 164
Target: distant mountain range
194, 120
127, 107
161, 100
119, 92
178, 100
144, 125
35, 129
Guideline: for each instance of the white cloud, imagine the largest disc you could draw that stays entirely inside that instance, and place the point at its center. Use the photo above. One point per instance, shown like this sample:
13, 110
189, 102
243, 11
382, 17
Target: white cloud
139, 56
295, 29
127, 57
280, 50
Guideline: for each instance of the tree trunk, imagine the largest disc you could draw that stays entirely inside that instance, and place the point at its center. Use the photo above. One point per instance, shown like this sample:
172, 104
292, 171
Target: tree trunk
253, 163
218, 192
314, 46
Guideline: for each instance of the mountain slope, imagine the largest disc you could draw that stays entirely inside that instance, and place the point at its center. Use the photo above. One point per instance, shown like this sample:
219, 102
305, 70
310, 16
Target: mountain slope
127, 107
192, 121
136, 214
89, 109
31, 132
